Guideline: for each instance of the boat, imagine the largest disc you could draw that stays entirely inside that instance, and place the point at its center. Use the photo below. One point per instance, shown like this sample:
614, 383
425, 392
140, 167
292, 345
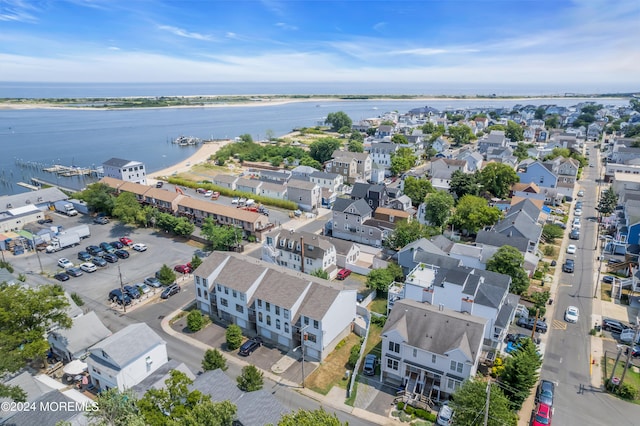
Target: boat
186, 140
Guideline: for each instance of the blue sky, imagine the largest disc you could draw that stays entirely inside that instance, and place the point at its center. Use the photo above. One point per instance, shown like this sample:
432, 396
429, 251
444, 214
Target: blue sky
465, 41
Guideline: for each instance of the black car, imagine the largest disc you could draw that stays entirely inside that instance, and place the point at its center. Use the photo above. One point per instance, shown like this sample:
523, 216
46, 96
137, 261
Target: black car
74, 272
61, 276
575, 234
122, 254
614, 326
159, 184
170, 291
250, 346
45, 220
101, 220
515, 337
95, 251
116, 296
110, 257
545, 392
98, 261
522, 322
608, 279
540, 325
116, 245
107, 247
131, 291
84, 256
635, 351
568, 266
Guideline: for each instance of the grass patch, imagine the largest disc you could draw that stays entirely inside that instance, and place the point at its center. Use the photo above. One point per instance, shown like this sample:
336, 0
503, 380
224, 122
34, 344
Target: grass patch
374, 342
332, 369
631, 377
379, 305
352, 398
605, 292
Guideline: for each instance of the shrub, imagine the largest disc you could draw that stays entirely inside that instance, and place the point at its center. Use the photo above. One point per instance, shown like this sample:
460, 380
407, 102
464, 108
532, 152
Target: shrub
627, 391
355, 354
404, 417
426, 415
233, 336
378, 320
537, 275
77, 299
400, 405
213, 359
547, 250
251, 379
195, 321
341, 343
409, 410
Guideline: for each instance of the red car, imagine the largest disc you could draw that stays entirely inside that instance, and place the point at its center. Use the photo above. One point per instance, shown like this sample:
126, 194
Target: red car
343, 273
542, 415
183, 269
126, 241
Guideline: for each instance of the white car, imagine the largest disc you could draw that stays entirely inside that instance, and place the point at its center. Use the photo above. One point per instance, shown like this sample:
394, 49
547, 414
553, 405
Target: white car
88, 267
65, 263
571, 314
208, 193
578, 212
235, 200
576, 223
581, 193
571, 249
139, 247
143, 288
250, 202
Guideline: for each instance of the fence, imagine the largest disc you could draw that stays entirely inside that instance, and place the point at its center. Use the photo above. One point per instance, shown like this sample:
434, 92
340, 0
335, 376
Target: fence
364, 313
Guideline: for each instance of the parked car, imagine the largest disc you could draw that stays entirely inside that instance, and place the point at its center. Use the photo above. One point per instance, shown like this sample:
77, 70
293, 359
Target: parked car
370, 362
545, 392
126, 241
116, 245
88, 267
635, 351
110, 257
581, 192
45, 220
542, 415
153, 282
132, 291
574, 234
568, 266
613, 325
249, 346
215, 195
576, 223
627, 335
107, 247
183, 269
343, 273
143, 288
170, 291
445, 416
98, 261
84, 256
571, 314
235, 200
61, 276
578, 205
608, 279
522, 322
101, 220
541, 326
95, 251
159, 184
571, 249
139, 247
116, 296
74, 272
208, 193
65, 263
578, 212
122, 254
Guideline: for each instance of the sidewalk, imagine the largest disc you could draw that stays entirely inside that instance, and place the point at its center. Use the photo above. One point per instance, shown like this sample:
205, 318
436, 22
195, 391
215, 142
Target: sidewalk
335, 401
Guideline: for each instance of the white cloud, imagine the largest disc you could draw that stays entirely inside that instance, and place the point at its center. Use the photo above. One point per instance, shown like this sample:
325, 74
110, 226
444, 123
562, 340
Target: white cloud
18, 11
380, 26
184, 33
113, 48
286, 27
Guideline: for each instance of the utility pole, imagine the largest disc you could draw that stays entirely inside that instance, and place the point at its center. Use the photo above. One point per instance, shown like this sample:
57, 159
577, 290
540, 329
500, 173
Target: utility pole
535, 325
124, 300
615, 364
629, 350
486, 410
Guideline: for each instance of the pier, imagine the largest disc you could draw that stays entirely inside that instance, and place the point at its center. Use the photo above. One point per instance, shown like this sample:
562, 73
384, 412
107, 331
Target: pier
70, 171
39, 183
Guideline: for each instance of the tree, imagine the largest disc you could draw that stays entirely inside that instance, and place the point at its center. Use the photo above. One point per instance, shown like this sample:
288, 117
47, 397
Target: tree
461, 135
509, 261
438, 208
551, 232
317, 417
380, 279
183, 227
539, 114
462, 184
246, 137
308, 161
234, 337
320, 274
322, 149
337, 120
221, 237
497, 178
399, 139
473, 213
417, 189
608, 202
195, 320
402, 160
404, 233
195, 262
520, 373
552, 122
470, 400
213, 359
126, 207
25, 316
558, 152
210, 413
429, 128
166, 275
514, 131
521, 151
355, 146
116, 408
99, 197
356, 136
251, 379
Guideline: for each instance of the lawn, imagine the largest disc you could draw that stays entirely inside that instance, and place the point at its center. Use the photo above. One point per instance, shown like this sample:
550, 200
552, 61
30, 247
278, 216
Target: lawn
332, 369
379, 305
632, 377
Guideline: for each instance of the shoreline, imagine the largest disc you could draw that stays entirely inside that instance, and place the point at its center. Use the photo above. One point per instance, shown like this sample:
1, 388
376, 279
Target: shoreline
200, 156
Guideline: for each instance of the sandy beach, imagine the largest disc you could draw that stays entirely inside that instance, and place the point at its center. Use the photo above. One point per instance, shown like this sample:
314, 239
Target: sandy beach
200, 156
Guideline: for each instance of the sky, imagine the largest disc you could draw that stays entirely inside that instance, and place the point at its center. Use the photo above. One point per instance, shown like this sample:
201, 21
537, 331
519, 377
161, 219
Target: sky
449, 41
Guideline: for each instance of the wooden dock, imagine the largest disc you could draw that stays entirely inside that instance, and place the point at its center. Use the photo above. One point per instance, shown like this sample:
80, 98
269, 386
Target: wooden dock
29, 186
43, 183
70, 171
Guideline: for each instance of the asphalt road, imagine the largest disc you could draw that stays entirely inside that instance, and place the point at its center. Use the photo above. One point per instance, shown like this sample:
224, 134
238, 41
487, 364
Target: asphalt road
567, 356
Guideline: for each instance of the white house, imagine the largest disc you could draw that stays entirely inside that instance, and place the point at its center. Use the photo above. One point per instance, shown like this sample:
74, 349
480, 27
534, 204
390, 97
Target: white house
430, 350
288, 308
127, 170
300, 251
126, 358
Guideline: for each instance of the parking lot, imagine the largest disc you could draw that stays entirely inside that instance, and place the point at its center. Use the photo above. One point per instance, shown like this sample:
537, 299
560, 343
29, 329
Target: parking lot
161, 249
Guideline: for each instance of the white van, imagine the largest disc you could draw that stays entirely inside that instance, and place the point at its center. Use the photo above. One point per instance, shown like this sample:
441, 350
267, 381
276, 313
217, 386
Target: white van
445, 416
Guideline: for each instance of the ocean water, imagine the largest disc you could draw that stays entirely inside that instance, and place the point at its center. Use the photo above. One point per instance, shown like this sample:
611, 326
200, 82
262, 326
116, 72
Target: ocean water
34, 138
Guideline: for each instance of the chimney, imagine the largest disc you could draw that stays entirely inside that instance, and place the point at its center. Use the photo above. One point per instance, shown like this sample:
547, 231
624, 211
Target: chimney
301, 253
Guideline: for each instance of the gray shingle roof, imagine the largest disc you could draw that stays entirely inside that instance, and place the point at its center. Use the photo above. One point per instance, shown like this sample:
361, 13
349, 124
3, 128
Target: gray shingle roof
360, 190
361, 206
129, 343
157, 379
236, 274
281, 289
324, 175
116, 162
493, 238
522, 223
85, 331
295, 183
45, 417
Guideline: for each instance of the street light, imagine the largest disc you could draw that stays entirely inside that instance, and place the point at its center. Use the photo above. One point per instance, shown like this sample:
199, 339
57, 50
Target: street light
301, 347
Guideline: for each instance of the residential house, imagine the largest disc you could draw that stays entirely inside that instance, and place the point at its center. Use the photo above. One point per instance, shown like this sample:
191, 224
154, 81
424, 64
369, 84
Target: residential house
429, 350
500, 154
274, 176
250, 186
440, 145
442, 169
300, 251
161, 199
135, 188
522, 221
331, 181
384, 131
375, 195
273, 190
495, 139
536, 172
353, 166
157, 380
303, 172
392, 216
481, 123
402, 202
125, 358
72, 343
473, 158
285, 307
378, 173
381, 152
307, 195
198, 210
349, 222
425, 251
526, 190
226, 181
127, 170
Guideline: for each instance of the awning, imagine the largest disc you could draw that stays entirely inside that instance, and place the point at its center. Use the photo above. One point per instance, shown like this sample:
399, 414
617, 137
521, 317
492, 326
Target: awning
75, 367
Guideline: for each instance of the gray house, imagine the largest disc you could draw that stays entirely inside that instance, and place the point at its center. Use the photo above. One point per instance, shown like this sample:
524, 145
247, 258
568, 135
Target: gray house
226, 181
307, 195
251, 186
348, 222
85, 331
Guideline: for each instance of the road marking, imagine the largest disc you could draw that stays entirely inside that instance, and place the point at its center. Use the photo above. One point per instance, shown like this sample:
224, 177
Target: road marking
565, 285
559, 325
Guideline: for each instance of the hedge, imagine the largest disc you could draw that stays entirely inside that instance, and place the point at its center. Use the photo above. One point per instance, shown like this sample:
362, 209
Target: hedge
285, 204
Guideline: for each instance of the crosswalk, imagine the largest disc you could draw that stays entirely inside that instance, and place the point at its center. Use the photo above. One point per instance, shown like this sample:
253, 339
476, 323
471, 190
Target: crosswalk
559, 325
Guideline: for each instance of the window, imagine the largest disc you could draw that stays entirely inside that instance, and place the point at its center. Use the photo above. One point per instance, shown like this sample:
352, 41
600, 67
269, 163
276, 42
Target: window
242, 296
415, 353
277, 323
235, 294
239, 308
205, 294
286, 314
286, 327
199, 293
224, 302
456, 366
259, 316
277, 310
394, 347
219, 287
259, 303
226, 290
433, 358
268, 306
306, 320
392, 364
453, 385
315, 324
311, 337
268, 319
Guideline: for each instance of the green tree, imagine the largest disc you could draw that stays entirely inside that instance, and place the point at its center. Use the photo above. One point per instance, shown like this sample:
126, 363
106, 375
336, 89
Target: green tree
308, 161
462, 184
246, 137
338, 120
402, 160
608, 202
320, 274
183, 227
213, 359
417, 189
126, 207
521, 151
356, 136
494, 115
497, 178
514, 131
429, 128
552, 122
195, 262
221, 237
399, 139
166, 275
210, 413
99, 197
473, 213
509, 261
558, 152
520, 373
317, 417
25, 316
344, 130
195, 320
470, 400
355, 146
234, 337
380, 279
539, 114
322, 149
404, 233
250, 379
551, 232
461, 135
116, 408
634, 104
438, 207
